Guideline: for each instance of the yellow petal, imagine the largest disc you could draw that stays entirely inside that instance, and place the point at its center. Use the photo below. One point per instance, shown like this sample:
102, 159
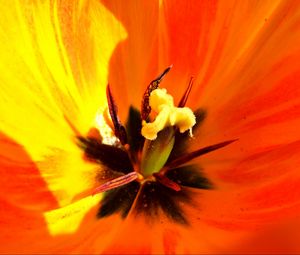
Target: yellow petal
45, 80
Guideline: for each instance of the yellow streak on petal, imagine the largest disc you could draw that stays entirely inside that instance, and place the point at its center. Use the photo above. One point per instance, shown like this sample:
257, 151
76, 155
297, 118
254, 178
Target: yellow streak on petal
167, 115
66, 220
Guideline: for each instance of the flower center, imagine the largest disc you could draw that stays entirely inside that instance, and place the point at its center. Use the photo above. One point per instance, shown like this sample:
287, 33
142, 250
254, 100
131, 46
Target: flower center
148, 154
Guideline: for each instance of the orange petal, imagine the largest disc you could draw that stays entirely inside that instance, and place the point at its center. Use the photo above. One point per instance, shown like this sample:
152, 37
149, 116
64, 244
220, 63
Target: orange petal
246, 60
245, 56
24, 198
259, 108
21, 182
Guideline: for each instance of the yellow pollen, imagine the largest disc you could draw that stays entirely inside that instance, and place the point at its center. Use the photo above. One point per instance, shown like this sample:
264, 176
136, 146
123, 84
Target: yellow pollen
106, 131
167, 115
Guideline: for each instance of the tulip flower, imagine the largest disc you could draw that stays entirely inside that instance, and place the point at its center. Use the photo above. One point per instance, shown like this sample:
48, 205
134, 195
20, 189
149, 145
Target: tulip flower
150, 127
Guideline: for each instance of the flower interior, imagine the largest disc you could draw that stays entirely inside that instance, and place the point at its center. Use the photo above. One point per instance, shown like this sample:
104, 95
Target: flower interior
146, 166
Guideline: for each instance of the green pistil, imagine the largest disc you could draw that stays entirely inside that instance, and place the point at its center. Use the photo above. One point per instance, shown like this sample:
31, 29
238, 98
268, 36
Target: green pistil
156, 152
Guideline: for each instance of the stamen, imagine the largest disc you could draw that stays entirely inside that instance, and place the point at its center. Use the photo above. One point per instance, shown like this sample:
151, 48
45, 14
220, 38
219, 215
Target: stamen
189, 156
115, 183
164, 180
167, 115
186, 93
145, 108
119, 129
106, 117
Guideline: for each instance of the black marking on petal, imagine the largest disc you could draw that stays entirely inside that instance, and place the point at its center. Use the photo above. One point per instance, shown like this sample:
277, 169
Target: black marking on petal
190, 176
118, 200
112, 157
182, 139
154, 197
200, 116
133, 127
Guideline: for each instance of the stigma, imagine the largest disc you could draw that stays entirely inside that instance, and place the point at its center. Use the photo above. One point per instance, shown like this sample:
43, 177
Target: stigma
167, 115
